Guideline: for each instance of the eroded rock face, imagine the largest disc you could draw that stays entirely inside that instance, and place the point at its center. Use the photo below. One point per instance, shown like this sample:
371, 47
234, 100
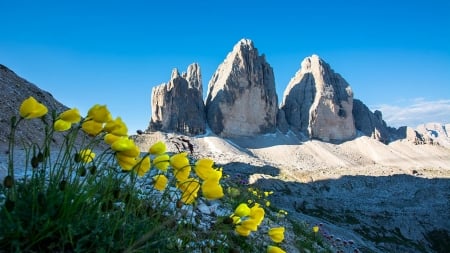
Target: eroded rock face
241, 98
13, 90
178, 105
319, 102
370, 123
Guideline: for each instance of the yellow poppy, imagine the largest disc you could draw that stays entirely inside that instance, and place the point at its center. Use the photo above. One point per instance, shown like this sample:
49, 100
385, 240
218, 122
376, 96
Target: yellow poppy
274, 249
92, 127
31, 108
161, 162
160, 182
179, 161
71, 115
211, 190
116, 127
242, 210
158, 148
277, 234
243, 231
143, 165
61, 125
126, 162
99, 113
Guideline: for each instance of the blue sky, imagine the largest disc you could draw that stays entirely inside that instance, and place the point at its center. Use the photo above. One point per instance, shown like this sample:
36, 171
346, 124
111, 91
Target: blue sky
394, 54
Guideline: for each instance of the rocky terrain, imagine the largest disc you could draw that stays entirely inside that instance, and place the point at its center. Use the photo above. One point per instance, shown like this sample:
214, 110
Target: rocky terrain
13, 90
327, 157
386, 198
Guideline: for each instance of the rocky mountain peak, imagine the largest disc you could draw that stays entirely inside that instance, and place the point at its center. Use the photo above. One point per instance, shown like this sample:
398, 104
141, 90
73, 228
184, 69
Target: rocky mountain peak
178, 105
241, 98
319, 102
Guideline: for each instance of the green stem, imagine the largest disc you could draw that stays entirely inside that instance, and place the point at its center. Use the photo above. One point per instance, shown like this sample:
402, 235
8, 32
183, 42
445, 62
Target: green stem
12, 135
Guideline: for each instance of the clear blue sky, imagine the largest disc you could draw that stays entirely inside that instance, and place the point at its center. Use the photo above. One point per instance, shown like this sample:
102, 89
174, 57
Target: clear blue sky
394, 54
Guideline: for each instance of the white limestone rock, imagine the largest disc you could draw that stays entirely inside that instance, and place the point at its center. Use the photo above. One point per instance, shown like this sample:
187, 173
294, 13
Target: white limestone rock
319, 102
241, 98
178, 105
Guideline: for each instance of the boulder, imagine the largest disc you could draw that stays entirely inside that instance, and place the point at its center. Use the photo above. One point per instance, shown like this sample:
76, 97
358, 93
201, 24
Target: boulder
241, 98
319, 102
178, 105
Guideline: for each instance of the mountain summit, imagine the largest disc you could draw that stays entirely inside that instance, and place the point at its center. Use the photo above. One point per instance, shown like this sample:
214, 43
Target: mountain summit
241, 98
319, 102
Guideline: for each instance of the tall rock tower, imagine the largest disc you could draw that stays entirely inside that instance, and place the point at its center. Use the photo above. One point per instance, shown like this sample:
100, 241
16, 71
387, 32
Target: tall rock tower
241, 98
319, 102
178, 105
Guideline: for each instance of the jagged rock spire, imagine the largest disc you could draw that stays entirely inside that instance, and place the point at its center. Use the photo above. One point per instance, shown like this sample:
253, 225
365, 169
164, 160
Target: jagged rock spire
319, 102
178, 105
241, 98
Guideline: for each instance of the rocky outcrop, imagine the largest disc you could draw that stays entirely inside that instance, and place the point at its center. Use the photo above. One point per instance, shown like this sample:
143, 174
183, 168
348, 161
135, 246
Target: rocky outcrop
319, 102
437, 132
241, 98
370, 123
13, 90
178, 105
411, 135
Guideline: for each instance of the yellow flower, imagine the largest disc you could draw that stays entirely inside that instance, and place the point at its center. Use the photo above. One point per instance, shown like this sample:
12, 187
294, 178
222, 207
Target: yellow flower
179, 161
99, 113
61, 125
243, 231
111, 138
71, 115
189, 189
257, 213
86, 155
183, 173
211, 190
31, 108
267, 203
277, 234
203, 168
143, 165
116, 127
274, 249
250, 224
123, 144
161, 162
158, 148
126, 162
66, 119
92, 127
160, 182
315, 229
242, 210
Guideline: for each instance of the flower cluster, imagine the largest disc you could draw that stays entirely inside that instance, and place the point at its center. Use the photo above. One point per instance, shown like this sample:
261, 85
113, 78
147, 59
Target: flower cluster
99, 121
247, 219
167, 171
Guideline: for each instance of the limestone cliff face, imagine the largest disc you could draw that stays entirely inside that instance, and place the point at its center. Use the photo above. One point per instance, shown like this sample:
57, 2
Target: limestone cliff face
178, 105
241, 98
370, 123
319, 102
